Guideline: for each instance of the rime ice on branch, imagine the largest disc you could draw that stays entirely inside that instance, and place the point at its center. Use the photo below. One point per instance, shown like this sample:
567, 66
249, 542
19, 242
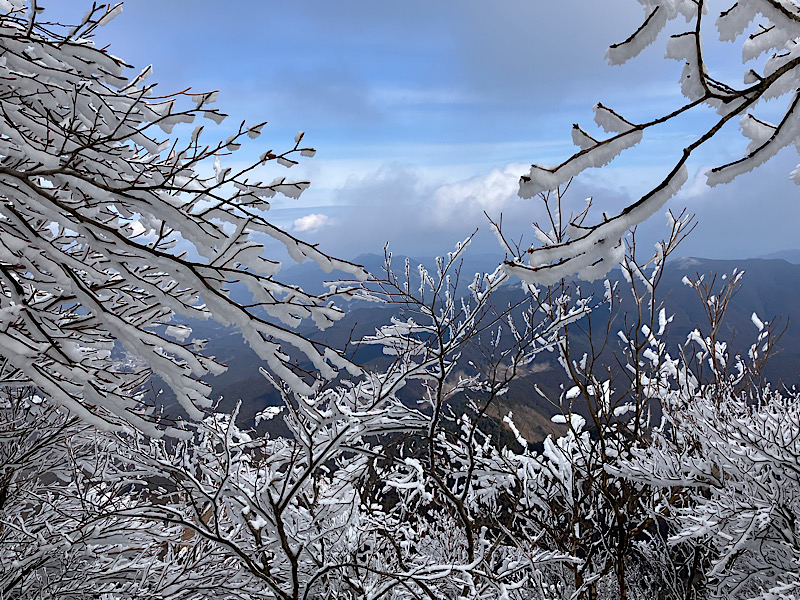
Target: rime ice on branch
592, 251
108, 229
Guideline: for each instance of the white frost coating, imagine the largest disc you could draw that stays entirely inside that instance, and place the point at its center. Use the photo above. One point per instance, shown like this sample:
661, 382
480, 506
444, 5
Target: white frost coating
206, 98
786, 134
268, 413
621, 411
655, 21
577, 422
736, 21
776, 62
682, 47
757, 322
110, 15
757, 131
765, 40
508, 420
582, 139
594, 254
540, 178
179, 332
600, 268
691, 86
750, 77
656, 14
215, 116
610, 120
663, 321
733, 23
650, 355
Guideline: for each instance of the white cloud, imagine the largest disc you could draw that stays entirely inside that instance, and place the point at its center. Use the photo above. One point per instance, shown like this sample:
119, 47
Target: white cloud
422, 211
491, 192
310, 222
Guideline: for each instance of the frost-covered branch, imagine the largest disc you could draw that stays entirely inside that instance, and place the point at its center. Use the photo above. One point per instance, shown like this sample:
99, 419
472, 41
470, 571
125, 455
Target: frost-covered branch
108, 229
592, 250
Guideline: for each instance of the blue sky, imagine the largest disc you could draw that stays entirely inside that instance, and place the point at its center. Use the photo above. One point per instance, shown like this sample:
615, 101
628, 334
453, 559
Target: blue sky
424, 114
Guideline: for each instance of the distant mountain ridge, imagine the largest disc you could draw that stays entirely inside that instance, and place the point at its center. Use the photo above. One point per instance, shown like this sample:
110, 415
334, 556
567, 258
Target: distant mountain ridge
770, 288
792, 256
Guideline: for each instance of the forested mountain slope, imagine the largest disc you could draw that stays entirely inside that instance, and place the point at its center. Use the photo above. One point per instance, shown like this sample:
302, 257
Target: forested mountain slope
770, 288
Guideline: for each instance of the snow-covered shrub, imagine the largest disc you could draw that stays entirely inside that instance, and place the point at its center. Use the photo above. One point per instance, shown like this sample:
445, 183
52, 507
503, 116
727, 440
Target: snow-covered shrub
735, 451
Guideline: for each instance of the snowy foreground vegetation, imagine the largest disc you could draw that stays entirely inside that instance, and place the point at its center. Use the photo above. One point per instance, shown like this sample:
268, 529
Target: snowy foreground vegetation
677, 470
